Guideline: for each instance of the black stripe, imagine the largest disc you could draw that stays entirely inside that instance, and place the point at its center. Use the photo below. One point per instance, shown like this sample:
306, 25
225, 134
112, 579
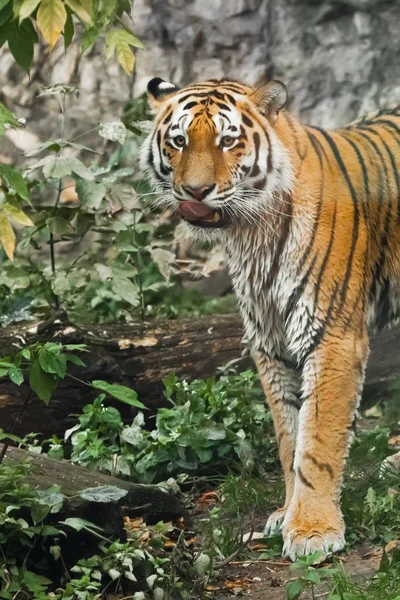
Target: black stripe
356, 224
247, 121
319, 150
326, 258
222, 106
321, 466
231, 99
394, 167
304, 480
196, 95
256, 169
167, 118
190, 105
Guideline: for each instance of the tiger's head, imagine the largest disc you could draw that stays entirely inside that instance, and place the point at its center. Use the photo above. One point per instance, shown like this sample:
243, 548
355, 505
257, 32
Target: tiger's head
213, 152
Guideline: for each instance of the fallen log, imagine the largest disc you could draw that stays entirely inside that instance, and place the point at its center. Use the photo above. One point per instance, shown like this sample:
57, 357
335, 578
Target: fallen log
140, 355
146, 501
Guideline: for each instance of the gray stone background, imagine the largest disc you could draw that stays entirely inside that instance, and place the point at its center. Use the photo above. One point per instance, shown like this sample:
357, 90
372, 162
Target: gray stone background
339, 59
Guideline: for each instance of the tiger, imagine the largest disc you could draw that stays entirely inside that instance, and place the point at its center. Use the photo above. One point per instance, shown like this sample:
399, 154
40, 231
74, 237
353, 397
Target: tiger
309, 220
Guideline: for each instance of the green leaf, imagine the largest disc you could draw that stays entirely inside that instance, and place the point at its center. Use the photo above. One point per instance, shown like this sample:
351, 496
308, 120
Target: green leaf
42, 383
27, 8
4, 3
120, 392
21, 41
59, 227
15, 182
68, 29
294, 589
104, 493
79, 524
51, 362
90, 194
115, 131
58, 167
89, 37
80, 11
5, 14
16, 376
125, 289
7, 118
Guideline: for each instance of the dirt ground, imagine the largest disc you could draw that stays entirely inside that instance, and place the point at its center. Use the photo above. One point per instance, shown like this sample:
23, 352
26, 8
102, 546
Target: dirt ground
266, 580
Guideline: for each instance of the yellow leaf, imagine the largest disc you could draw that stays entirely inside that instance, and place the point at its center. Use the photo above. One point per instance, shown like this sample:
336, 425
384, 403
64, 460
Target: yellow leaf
125, 57
80, 10
7, 235
51, 18
17, 215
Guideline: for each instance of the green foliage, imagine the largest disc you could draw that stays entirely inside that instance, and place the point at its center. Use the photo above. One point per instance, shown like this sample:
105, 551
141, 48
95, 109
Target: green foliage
13, 193
385, 585
210, 425
44, 365
29, 524
21, 19
308, 576
371, 510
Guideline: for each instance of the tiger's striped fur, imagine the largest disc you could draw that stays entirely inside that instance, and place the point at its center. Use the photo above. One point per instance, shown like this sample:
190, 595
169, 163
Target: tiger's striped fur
312, 235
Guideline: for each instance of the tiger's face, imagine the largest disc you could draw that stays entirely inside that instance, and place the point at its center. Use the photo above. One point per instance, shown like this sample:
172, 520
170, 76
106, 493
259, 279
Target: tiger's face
213, 153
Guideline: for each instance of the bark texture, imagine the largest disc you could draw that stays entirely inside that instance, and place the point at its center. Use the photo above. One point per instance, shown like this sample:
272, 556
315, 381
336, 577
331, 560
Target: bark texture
141, 355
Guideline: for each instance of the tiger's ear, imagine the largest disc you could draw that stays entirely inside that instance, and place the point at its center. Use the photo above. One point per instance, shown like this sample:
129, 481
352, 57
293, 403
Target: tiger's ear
270, 99
158, 91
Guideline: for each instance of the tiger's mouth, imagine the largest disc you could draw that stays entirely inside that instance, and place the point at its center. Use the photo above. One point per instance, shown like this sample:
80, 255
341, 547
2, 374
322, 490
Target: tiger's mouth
199, 214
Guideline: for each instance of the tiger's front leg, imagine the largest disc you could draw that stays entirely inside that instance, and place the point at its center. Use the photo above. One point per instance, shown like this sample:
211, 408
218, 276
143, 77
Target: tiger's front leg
332, 381
281, 386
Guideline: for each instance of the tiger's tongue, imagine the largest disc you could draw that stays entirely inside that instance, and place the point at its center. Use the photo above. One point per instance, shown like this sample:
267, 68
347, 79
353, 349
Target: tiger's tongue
195, 211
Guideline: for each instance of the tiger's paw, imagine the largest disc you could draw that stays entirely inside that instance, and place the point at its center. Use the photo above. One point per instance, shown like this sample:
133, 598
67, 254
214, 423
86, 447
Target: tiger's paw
303, 540
275, 521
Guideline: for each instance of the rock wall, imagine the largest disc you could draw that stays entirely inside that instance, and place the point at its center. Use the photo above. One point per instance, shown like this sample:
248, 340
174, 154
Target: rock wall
339, 58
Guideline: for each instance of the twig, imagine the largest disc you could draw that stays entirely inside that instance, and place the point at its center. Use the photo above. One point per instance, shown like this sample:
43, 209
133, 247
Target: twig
242, 546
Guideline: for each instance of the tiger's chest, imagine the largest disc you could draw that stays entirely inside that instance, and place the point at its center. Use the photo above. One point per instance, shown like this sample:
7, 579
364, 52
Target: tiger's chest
265, 286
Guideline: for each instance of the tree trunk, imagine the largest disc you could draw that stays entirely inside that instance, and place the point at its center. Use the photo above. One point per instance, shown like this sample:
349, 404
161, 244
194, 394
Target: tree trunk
140, 355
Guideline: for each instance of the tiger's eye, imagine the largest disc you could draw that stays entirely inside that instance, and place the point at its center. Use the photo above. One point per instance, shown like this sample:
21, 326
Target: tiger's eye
179, 141
227, 141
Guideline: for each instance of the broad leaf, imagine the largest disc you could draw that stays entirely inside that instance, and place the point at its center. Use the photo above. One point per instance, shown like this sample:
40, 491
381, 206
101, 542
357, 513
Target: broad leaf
21, 41
77, 7
120, 392
27, 8
51, 18
90, 194
79, 524
43, 384
17, 215
15, 181
104, 493
7, 235
114, 131
16, 376
7, 118
126, 290
69, 29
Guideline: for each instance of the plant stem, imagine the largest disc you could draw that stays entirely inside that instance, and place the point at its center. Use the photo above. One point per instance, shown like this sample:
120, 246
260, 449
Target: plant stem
16, 422
138, 263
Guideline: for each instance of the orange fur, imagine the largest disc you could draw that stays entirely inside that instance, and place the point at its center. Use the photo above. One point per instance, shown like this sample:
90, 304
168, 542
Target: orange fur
335, 251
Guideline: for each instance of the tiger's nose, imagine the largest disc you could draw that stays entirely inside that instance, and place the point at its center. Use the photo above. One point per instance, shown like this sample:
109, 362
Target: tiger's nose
198, 192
